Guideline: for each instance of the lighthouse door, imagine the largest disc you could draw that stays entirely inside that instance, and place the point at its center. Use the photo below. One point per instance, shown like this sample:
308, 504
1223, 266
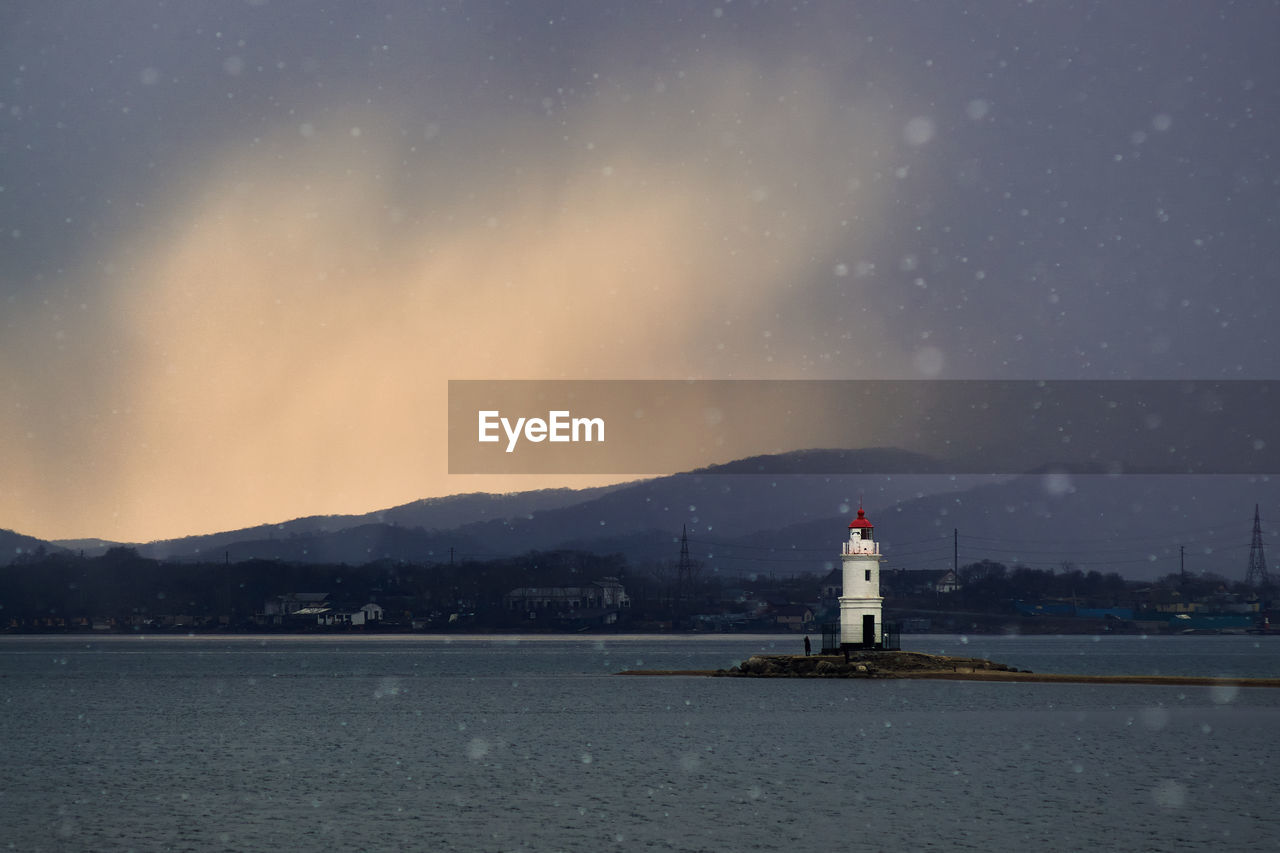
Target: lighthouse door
868, 630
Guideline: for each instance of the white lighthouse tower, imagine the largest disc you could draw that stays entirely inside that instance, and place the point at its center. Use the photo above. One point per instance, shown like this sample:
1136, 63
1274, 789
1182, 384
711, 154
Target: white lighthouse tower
861, 607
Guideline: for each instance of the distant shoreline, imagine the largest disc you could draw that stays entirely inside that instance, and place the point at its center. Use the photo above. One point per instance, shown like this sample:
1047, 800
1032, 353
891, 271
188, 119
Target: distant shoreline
1056, 630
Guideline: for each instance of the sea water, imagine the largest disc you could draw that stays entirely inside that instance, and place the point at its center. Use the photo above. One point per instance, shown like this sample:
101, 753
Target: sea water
501, 743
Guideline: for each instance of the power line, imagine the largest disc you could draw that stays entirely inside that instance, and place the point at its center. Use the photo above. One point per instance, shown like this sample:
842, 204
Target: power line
1114, 551
828, 550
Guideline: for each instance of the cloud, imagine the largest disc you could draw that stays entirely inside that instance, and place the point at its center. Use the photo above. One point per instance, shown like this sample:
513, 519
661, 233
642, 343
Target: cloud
277, 340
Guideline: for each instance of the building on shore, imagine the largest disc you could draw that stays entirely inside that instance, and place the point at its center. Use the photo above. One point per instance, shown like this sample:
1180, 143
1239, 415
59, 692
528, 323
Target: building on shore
604, 598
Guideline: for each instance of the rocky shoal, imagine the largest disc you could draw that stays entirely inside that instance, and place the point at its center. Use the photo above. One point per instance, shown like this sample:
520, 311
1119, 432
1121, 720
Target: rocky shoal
891, 664
872, 664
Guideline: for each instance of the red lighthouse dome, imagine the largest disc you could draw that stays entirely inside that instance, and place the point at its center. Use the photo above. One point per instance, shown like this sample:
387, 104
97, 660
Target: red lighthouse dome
861, 520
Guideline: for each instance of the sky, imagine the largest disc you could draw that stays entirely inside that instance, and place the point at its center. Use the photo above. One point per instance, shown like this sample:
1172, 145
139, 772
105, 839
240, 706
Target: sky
245, 245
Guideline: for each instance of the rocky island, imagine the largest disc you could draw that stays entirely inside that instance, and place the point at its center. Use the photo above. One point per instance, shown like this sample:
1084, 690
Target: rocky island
899, 664
862, 664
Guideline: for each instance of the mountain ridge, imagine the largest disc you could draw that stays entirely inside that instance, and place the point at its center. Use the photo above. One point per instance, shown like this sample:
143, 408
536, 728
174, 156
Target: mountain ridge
784, 517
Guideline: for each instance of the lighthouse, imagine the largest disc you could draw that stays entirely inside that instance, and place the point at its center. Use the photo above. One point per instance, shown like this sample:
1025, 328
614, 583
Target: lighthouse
861, 607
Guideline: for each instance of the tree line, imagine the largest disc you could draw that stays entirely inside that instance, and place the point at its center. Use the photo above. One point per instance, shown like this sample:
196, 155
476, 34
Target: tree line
124, 586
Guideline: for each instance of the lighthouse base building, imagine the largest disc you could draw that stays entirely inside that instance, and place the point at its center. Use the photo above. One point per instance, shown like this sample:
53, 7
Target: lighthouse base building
861, 607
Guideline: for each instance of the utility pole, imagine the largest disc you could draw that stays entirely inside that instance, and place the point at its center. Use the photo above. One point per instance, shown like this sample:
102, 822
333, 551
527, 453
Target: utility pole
955, 554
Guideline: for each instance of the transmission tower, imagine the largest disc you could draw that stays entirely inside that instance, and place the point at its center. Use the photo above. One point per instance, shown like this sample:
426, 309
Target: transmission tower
1257, 576
684, 572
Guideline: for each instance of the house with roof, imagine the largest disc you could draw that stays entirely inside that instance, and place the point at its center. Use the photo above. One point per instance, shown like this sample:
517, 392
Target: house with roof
794, 617
304, 609
350, 616
909, 583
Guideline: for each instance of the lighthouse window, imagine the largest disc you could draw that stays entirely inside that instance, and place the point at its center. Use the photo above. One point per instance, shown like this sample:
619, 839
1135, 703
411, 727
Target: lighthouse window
866, 575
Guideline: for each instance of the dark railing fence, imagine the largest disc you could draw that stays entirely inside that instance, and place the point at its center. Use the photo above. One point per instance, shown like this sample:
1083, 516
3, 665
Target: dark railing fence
891, 637
830, 638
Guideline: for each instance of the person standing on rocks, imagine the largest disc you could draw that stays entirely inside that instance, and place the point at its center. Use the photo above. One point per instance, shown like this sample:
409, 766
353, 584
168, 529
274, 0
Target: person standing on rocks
806, 645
